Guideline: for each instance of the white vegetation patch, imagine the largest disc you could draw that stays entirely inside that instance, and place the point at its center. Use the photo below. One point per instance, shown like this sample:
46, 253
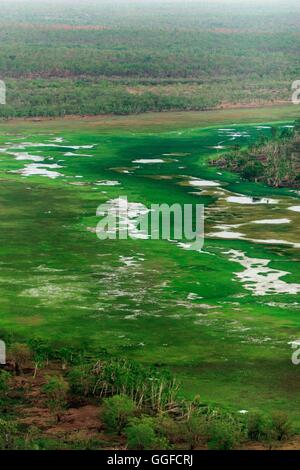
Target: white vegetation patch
259, 278
49, 293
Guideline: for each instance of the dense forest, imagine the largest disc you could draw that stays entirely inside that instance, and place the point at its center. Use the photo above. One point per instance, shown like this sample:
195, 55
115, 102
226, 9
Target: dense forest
274, 161
60, 58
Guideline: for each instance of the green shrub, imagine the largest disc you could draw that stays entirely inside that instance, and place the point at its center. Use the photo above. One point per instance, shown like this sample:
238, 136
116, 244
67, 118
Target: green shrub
225, 430
117, 411
259, 427
141, 435
269, 428
8, 435
21, 355
170, 429
281, 426
195, 430
82, 380
4, 385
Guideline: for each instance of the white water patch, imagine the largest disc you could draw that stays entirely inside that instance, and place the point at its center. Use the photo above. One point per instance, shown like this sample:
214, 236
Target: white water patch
57, 140
36, 169
73, 147
259, 278
274, 242
49, 144
45, 269
225, 232
227, 235
250, 200
16, 147
193, 296
129, 261
292, 305
236, 135
179, 154
72, 154
271, 221
149, 160
107, 183
218, 147
294, 208
203, 183
26, 156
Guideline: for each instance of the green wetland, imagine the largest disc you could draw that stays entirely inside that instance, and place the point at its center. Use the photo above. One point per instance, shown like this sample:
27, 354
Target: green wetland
221, 319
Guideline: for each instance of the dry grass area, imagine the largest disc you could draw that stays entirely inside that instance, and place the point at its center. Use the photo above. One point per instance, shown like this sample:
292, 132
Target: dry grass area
80, 424
158, 122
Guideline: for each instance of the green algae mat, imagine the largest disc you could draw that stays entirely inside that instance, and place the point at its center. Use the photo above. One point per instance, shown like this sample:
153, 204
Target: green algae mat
222, 319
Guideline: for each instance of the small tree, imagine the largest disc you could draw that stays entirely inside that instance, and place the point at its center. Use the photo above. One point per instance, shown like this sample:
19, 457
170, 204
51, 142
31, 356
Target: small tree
117, 411
41, 352
82, 380
66, 356
4, 385
56, 390
21, 355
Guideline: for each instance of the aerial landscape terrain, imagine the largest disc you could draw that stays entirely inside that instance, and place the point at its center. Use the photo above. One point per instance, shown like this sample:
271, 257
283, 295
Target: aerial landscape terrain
145, 343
